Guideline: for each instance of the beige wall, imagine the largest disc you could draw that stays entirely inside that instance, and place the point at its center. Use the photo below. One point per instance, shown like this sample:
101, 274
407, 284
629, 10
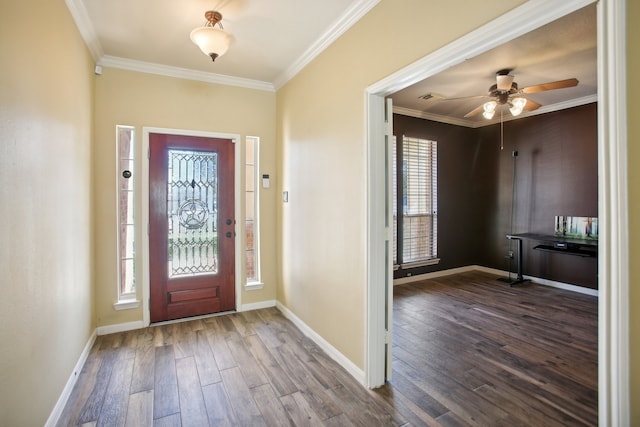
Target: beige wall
321, 144
321, 134
138, 99
46, 108
633, 119
46, 180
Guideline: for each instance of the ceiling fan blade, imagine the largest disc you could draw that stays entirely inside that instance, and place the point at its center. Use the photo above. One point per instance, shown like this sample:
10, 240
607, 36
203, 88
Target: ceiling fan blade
531, 105
475, 111
560, 84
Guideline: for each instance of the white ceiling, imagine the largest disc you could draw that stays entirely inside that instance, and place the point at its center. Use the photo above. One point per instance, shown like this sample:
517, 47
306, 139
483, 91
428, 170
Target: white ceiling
560, 50
273, 38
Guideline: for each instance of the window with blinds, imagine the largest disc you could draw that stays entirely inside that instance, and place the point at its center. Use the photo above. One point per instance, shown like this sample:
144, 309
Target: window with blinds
415, 202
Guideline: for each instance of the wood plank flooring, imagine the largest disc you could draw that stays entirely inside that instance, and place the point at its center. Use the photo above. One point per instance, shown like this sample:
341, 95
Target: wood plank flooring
468, 351
472, 351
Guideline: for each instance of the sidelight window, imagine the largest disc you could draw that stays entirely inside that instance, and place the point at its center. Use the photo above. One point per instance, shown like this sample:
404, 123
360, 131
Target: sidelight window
126, 218
252, 203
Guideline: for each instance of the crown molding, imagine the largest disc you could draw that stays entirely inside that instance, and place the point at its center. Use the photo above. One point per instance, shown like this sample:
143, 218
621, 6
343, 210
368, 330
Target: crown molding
513, 24
589, 99
433, 117
353, 14
183, 73
85, 26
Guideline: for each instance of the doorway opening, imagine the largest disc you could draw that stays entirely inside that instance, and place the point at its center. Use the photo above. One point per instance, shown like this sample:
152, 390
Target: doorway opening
612, 205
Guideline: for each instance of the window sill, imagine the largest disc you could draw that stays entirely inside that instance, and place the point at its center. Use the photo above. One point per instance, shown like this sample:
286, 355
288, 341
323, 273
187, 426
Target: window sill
253, 286
127, 304
422, 263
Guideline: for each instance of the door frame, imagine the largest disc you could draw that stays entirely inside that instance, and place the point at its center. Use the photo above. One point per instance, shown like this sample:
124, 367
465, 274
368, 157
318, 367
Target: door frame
613, 262
144, 211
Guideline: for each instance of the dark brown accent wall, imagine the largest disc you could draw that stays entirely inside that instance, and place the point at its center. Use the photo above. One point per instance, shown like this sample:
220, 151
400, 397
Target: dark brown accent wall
458, 150
555, 174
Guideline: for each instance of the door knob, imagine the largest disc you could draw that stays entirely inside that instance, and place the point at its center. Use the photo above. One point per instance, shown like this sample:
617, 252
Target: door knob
229, 234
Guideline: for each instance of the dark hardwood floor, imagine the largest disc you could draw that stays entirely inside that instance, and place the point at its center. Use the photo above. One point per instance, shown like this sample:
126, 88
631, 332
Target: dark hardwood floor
468, 351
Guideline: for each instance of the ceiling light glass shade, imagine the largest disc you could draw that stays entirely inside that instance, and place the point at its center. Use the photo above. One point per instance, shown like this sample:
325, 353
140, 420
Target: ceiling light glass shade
517, 105
504, 82
488, 114
214, 42
489, 109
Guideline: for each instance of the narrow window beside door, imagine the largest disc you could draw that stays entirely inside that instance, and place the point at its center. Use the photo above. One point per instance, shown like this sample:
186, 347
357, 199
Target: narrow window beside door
415, 208
252, 203
126, 219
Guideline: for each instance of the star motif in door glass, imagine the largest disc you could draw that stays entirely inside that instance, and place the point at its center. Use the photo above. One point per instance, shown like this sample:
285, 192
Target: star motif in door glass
193, 214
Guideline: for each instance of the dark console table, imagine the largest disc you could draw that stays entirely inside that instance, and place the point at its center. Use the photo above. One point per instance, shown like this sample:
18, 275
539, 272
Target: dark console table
550, 243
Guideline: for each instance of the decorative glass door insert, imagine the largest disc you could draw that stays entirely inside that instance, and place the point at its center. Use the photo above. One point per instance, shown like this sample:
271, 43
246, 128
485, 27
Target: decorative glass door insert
191, 225
192, 202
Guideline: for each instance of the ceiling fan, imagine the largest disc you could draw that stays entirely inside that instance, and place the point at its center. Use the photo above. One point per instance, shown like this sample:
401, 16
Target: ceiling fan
506, 92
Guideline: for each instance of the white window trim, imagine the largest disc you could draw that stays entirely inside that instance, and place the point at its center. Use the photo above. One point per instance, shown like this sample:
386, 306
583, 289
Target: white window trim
130, 300
126, 304
420, 263
256, 283
399, 209
253, 286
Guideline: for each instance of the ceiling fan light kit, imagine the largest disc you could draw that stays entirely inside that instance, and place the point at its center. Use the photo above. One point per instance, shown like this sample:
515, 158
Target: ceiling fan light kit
517, 105
489, 109
213, 42
506, 92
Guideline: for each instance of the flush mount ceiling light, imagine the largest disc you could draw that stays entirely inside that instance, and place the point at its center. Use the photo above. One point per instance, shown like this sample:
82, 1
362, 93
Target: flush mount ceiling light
214, 42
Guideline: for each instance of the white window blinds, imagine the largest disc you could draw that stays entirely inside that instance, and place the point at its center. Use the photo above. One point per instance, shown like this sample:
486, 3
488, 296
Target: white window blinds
419, 201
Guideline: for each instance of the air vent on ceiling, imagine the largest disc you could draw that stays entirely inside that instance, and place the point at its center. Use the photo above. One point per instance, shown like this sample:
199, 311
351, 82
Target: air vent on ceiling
429, 96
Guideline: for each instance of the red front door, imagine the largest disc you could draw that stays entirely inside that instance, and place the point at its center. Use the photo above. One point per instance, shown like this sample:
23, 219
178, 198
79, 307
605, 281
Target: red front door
191, 226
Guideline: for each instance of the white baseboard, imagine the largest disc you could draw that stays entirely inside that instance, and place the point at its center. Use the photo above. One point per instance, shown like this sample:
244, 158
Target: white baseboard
433, 275
540, 281
139, 324
119, 327
336, 355
54, 417
258, 305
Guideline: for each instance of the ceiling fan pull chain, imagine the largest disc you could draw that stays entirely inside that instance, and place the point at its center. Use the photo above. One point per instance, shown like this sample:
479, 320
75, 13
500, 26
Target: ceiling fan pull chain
501, 131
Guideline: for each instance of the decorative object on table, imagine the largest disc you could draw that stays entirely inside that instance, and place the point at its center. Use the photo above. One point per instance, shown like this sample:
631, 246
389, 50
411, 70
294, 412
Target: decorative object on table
577, 227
